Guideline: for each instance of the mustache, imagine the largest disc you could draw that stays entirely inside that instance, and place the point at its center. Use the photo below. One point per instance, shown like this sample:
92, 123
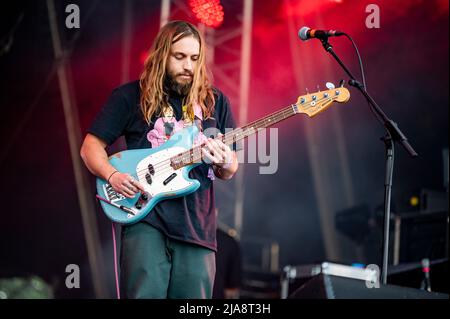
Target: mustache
187, 73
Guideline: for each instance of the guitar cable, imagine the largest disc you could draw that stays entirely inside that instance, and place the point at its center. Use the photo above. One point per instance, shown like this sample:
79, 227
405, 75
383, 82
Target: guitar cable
361, 69
115, 260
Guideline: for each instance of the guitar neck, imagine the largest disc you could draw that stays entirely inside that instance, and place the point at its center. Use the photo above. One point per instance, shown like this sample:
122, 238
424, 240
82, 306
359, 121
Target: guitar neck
258, 125
194, 155
310, 104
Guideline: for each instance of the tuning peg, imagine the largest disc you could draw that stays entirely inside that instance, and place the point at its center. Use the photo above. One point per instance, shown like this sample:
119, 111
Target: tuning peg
318, 88
341, 83
329, 85
307, 92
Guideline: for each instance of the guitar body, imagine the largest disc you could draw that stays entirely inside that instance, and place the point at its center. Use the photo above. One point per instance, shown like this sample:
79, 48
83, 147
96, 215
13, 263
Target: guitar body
151, 167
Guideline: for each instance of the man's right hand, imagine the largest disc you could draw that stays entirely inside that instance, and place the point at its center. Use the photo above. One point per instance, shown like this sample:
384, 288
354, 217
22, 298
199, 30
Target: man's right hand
125, 184
94, 156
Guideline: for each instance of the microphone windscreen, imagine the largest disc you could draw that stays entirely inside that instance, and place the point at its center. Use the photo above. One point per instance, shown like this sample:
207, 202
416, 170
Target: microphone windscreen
303, 33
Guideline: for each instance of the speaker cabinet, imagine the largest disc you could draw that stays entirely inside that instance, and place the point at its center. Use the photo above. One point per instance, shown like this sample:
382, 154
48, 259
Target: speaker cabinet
333, 287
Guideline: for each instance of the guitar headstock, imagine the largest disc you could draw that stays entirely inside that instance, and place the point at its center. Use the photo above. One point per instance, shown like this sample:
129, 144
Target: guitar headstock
314, 103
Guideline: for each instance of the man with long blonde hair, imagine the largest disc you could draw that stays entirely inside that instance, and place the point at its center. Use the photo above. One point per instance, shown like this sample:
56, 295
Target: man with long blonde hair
171, 252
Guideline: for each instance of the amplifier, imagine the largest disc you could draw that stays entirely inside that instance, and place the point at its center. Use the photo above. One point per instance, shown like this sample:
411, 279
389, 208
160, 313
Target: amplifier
367, 275
334, 281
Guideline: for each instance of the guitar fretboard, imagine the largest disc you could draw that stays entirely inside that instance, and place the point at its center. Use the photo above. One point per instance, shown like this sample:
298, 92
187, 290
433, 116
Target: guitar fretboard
194, 155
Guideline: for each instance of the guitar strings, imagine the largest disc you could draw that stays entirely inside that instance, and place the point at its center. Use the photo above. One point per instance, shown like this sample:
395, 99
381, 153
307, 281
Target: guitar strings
159, 166
187, 157
281, 116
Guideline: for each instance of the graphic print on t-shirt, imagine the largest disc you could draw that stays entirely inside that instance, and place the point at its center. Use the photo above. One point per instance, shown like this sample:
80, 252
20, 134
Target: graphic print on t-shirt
167, 125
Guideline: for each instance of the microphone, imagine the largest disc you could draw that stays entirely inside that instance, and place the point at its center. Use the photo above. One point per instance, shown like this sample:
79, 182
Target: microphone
306, 33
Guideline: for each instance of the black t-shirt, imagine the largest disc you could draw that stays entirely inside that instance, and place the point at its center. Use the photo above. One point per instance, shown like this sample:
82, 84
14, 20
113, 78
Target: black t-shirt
190, 218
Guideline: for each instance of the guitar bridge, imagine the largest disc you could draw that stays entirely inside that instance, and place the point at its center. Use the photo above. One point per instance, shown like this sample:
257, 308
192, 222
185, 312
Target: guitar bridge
111, 194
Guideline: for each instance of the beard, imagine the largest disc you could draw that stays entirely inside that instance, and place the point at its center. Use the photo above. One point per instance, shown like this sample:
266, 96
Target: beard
180, 87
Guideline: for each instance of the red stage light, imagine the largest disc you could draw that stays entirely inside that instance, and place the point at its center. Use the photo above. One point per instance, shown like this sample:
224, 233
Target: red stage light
209, 12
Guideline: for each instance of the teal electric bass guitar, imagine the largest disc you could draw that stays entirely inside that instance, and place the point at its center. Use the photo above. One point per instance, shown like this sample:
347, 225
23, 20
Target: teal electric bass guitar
164, 171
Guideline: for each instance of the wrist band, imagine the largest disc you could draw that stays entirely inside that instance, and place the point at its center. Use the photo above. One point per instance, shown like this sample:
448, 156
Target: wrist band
112, 175
220, 169
224, 167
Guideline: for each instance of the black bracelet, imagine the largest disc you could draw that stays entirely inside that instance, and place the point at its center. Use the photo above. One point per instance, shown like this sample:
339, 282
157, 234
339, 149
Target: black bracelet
217, 169
112, 175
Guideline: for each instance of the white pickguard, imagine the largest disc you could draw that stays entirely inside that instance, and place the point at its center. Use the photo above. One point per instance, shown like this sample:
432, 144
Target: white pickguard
163, 170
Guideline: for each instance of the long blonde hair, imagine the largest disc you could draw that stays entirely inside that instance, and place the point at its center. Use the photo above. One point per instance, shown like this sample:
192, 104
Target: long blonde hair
154, 99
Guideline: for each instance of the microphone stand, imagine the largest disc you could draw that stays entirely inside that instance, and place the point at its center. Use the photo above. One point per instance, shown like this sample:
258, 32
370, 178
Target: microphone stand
394, 134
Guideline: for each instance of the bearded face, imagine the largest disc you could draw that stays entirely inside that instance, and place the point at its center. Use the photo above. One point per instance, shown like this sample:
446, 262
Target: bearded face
182, 63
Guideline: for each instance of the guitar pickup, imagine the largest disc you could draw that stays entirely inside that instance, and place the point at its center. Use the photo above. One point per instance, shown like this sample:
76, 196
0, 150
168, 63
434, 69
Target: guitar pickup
148, 178
151, 169
168, 179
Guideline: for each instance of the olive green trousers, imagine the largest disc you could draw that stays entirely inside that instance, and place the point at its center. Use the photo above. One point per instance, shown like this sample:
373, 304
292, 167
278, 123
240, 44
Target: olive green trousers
153, 265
